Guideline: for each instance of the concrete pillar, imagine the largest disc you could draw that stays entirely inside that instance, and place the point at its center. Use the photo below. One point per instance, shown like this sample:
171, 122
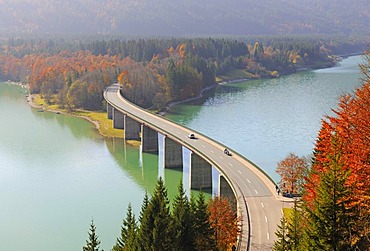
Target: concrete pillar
110, 111
227, 192
118, 119
200, 174
172, 154
149, 140
132, 129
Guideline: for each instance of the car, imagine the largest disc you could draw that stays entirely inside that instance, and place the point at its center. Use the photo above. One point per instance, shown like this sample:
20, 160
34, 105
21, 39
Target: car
227, 152
191, 136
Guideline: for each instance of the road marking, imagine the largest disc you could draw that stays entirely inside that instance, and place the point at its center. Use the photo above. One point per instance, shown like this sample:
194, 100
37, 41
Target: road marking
239, 171
221, 157
262, 205
232, 165
268, 236
248, 181
203, 146
212, 151
256, 191
266, 218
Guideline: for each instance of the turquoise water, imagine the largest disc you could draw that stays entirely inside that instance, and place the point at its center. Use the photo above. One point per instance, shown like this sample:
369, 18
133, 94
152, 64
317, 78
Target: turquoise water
56, 172
264, 120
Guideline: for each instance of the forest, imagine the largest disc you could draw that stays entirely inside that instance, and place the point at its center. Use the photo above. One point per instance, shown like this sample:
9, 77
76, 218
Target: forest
190, 224
73, 73
334, 210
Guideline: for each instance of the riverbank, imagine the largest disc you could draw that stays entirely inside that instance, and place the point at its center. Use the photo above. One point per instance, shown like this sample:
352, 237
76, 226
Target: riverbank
99, 119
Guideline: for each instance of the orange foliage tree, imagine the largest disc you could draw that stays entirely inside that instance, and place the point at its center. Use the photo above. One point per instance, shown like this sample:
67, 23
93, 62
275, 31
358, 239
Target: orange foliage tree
350, 126
224, 222
291, 170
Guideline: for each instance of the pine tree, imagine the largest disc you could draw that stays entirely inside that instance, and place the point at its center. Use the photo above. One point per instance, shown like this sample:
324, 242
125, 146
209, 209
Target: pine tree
281, 244
183, 224
155, 229
127, 240
92, 244
204, 234
329, 218
295, 228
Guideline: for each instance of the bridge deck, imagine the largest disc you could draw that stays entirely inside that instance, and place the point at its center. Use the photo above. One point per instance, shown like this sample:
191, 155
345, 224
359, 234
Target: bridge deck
250, 185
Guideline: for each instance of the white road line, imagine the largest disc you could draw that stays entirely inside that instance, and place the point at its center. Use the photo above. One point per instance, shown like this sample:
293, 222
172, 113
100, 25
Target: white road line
262, 205
248, 181
256, 191
266, 218
230, 164
203, 146
239, 171
268, 236
212, 151
221, 157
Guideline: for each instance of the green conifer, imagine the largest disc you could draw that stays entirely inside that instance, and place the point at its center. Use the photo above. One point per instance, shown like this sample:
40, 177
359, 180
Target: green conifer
127, 240
92, 244
183, 224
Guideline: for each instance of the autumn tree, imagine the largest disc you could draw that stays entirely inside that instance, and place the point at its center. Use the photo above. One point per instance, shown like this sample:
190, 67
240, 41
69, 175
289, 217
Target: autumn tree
291, 170
224, 223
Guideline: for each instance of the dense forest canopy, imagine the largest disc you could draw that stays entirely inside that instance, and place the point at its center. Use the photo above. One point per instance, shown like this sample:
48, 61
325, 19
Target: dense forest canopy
174, 18
73, 73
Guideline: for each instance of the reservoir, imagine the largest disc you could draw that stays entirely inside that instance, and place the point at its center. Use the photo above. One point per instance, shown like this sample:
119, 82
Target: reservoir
57, 173
265, 120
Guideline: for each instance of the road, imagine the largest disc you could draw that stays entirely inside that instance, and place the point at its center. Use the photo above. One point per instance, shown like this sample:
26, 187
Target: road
249, 183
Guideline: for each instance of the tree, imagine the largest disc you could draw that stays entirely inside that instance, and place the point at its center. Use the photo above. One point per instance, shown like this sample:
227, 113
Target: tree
155, 231
204, 233
281, 244
92, 244
290, 231
183, 222
224, 223
127, 240
329, 217
291, 170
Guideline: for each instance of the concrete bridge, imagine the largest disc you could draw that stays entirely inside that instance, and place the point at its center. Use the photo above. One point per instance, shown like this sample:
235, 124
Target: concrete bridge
251, 192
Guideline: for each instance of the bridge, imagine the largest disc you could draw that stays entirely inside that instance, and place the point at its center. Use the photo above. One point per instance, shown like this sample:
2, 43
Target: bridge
251, 192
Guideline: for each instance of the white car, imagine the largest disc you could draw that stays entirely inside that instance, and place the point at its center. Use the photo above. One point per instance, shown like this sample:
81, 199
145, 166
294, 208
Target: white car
191, 136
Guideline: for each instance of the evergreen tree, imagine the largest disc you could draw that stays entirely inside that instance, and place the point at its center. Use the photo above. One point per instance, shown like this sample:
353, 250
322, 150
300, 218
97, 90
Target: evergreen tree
183, 224
128, 233
295, 229
281, 244
92, 244
155, 229
329, 218
204, 234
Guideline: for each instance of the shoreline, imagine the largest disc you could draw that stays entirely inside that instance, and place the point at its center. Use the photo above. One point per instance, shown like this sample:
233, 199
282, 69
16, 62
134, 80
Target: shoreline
166, 109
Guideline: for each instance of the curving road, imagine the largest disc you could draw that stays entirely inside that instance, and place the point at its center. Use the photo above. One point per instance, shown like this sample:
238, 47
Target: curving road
255, 192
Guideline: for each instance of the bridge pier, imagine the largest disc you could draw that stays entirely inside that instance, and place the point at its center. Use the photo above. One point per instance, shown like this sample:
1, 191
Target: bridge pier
132, 128
172, 154
118, 119
200, 174
149, 140
227, 192
109, 111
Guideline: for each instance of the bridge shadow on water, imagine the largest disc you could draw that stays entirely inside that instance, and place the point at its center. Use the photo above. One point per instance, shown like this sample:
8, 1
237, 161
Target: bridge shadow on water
143, 168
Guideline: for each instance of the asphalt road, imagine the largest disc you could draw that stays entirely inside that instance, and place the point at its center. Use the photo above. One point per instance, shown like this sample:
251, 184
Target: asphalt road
264, 206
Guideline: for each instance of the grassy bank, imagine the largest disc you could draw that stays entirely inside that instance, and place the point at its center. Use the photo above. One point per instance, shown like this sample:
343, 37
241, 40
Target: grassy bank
99, 119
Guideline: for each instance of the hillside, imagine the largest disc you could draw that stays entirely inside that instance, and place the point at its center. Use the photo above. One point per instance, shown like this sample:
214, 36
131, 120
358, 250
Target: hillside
185, 17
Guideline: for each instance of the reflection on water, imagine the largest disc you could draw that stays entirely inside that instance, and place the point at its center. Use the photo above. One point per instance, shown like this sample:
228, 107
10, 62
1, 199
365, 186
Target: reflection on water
264, 120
